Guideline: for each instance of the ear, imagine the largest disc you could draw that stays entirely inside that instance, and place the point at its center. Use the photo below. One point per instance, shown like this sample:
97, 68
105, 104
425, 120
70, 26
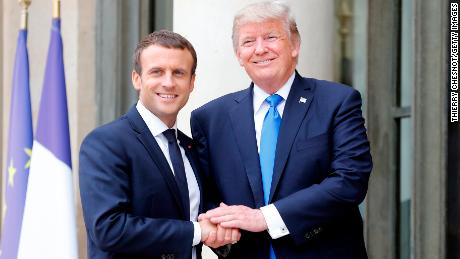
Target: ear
295, 46
136, 79
192, 82
238, 56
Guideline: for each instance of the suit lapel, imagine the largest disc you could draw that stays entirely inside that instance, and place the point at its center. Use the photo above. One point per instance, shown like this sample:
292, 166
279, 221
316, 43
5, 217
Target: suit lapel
187, 145
242, 119
145, 137
297, 104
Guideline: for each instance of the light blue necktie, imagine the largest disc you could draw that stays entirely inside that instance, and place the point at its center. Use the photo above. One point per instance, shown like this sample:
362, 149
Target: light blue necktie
267, 149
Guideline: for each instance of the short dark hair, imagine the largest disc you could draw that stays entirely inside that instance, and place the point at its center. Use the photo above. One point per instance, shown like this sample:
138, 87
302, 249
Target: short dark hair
164, 38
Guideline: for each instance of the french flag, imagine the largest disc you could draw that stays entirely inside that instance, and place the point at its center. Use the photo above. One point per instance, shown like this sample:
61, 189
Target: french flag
48, 226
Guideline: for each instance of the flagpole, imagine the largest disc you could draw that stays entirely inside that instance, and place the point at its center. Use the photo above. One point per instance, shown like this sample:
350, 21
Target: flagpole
56, 9
24, 13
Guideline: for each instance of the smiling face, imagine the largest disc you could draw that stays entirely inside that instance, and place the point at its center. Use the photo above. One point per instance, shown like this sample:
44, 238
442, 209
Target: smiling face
267, 53
165, 82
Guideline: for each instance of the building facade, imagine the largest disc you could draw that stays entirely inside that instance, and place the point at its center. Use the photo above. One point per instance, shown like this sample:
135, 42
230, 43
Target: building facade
394, 52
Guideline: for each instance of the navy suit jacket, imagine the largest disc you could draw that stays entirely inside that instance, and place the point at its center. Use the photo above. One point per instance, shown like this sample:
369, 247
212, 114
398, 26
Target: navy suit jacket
321, 170
131, 203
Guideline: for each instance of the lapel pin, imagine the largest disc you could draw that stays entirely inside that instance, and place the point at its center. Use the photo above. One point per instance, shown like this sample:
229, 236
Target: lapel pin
302, 100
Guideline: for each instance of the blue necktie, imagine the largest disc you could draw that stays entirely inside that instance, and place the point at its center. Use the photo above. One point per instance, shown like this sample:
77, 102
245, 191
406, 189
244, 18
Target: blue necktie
267, 149
179, 169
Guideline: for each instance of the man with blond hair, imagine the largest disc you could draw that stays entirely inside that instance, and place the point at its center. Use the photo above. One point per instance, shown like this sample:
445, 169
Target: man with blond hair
288, 157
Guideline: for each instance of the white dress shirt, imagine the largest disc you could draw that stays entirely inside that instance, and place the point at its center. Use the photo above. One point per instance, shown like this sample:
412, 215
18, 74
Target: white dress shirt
157, 127
276, 226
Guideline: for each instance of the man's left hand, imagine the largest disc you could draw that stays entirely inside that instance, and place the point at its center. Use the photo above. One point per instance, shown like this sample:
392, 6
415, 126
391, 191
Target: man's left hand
237, 216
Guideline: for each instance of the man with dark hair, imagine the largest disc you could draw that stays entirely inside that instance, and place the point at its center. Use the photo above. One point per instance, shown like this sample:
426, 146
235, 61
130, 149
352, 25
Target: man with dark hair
139, 181
288, 156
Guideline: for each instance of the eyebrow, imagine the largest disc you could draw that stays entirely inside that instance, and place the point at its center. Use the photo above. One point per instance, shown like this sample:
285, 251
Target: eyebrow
154, 68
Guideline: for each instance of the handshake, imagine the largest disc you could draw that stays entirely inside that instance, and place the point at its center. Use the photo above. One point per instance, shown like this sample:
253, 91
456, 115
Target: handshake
222, 225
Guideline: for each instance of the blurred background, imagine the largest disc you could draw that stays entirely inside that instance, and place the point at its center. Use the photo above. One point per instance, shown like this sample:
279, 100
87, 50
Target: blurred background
394, 52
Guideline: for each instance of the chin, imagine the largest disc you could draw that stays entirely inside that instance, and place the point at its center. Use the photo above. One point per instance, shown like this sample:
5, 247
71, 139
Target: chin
265, 77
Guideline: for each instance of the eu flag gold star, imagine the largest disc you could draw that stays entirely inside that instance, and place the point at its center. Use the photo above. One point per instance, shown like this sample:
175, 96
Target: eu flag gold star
28, 153
11, 173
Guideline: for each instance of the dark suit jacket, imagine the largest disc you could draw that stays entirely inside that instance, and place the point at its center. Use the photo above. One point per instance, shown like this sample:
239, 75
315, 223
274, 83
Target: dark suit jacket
131, 203
321, 170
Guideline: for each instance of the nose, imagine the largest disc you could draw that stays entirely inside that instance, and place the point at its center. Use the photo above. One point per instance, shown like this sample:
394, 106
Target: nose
260, 46
168, 80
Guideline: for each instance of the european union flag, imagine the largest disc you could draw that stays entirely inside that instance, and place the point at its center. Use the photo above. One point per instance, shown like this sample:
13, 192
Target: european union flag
19, 152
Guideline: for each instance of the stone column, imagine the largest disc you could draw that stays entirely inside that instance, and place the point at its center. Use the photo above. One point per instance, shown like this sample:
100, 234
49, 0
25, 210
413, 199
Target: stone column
431, 133
382, 59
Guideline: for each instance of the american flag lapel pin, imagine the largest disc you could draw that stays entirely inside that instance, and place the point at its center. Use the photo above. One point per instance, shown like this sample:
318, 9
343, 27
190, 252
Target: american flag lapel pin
302, 100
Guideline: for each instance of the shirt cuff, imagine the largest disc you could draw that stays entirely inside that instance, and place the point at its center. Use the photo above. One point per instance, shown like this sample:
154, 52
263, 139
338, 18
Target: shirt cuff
196, 233
275, 224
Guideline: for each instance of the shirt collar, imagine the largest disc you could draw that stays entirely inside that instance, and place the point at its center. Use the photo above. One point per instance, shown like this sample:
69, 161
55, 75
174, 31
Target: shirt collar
155, 125
260, 95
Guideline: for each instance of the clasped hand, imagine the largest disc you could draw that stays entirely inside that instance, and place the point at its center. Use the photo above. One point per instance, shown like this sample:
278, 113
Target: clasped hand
220, 226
